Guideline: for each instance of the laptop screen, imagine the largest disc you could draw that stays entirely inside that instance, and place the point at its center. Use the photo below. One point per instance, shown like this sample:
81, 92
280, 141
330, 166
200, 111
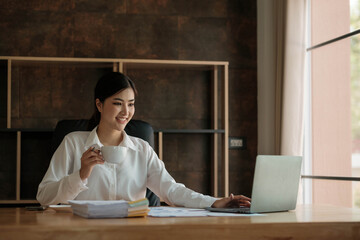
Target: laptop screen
276, 183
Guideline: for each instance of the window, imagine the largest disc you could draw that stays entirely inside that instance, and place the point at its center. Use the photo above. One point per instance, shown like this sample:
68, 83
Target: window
332, 131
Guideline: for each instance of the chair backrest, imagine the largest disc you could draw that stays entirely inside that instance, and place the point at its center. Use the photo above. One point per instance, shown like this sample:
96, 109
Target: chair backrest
136, 128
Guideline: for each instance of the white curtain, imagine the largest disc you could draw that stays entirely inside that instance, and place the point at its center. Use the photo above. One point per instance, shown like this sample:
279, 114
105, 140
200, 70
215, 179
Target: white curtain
290, 70
281, 71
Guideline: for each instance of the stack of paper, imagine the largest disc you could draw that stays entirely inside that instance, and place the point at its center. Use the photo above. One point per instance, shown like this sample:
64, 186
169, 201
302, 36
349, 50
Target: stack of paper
110, 209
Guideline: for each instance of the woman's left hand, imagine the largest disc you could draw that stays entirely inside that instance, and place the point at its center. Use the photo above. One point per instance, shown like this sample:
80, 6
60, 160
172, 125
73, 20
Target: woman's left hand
232, 202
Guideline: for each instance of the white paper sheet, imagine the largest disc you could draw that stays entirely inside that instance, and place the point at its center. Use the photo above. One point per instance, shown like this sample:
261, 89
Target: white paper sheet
191, 212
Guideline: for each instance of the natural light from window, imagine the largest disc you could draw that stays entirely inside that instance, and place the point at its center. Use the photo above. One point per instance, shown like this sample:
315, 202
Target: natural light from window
355, 97
329, 108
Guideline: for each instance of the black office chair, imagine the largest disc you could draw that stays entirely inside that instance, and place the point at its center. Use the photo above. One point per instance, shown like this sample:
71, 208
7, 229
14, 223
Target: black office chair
136, 128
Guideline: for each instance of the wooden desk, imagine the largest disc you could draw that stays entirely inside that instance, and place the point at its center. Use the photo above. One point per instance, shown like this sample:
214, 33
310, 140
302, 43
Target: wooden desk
307, 222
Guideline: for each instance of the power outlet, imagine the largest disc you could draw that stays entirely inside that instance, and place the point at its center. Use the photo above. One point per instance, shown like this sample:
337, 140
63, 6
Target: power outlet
237, 143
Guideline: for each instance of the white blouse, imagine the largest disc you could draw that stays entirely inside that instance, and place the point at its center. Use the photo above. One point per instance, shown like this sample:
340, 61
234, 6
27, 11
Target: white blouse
128, 180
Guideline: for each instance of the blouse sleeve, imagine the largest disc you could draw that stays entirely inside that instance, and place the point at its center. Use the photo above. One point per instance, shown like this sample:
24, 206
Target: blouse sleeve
173, 193
60, 182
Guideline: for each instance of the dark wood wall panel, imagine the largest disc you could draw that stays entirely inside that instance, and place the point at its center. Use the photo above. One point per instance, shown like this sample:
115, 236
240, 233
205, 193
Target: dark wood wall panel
187, 157
3, 93
44, 93
213, 30
174, 99
35, 159
8, 165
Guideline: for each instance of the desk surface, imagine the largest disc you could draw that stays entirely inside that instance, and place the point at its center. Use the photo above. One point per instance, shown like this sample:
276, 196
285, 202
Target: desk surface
307, 222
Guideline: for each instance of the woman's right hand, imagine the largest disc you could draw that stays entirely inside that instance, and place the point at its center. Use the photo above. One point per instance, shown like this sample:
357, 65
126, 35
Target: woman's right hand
232, 202
89, 159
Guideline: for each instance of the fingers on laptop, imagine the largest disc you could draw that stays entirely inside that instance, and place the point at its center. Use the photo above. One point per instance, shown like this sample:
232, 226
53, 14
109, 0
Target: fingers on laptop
239, 200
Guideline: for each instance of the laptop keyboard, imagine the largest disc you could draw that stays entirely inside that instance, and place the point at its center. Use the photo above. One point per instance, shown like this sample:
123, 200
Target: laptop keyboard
244, 210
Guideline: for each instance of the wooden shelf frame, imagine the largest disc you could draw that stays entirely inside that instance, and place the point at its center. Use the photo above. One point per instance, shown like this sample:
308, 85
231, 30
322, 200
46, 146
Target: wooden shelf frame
121, 65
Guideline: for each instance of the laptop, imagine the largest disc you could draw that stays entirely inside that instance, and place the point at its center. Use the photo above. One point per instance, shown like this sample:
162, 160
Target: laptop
275, 186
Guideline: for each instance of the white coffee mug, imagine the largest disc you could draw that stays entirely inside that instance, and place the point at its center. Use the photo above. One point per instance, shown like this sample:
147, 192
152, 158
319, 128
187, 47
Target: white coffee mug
114, 154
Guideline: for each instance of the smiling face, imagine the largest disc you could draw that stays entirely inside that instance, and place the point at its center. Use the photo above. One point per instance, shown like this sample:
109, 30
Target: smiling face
117, 110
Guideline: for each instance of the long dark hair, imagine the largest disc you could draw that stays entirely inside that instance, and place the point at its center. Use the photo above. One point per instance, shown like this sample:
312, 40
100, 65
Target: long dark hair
108, 85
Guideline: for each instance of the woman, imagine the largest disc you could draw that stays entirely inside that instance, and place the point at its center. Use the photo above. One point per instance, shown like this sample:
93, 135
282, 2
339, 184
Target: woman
78, 171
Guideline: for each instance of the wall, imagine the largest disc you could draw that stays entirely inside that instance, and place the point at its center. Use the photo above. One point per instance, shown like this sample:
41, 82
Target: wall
144, 29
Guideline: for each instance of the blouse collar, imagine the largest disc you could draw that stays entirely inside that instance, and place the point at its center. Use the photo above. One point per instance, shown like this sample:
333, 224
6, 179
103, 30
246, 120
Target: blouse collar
93, 141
